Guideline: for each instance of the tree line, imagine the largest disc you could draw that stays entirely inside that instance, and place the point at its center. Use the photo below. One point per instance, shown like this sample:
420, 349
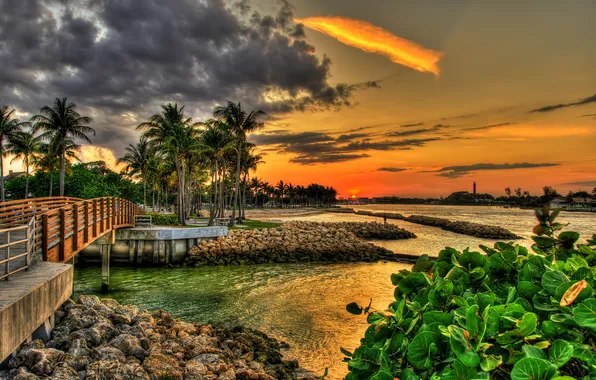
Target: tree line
177, 160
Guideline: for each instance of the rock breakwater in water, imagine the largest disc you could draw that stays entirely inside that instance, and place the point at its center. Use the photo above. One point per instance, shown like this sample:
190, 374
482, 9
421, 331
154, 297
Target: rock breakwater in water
295, 242
96, 339
374, 230
464, 228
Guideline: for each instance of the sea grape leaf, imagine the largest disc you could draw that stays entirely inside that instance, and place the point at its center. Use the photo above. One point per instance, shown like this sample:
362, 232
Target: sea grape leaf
568, 238
423, 264
437, 316
585, 313
533, 369
490, 362
527, 289
544, 241
560, 352
382, 375
577, 292
491, 318
527, 325
534, 352
551, 280
354, 308
413, 282
422, 348
473, 321
462, 347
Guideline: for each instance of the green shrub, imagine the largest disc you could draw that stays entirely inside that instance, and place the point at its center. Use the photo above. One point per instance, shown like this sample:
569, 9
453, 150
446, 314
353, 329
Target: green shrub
511, 313
164, 219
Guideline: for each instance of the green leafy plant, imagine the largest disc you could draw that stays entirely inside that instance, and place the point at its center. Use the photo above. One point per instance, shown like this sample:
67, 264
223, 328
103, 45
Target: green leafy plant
164, 219
509, 313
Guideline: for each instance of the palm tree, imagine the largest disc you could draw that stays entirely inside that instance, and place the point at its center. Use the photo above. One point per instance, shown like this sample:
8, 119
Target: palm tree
8, 128
250, 161
240, 124
61, 123
137, 160
281, 189
25, 146
49, 160
177, 138
217, 141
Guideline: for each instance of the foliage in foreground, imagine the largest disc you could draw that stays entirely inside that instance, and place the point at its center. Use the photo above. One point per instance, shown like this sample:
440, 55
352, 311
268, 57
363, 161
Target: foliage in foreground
511, 313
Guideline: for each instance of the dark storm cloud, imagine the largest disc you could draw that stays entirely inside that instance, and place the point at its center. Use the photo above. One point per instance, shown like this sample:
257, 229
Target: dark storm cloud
390, 144
319, 147
412, 125
326, 158
290, 138
420, 131
590, 99
116, 56
392, 170
457, 117
350, 137
486, 127
459, 171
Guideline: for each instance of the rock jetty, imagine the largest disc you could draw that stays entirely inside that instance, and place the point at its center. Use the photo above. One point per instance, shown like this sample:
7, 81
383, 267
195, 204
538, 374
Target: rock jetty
96, 339
374, 230
465, 228
297, 241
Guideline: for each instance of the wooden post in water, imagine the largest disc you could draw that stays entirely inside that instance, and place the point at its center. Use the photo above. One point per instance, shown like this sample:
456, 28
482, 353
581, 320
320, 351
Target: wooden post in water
105, 267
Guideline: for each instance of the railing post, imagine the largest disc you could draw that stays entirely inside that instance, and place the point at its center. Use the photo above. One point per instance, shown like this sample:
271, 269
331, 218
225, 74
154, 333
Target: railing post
115, 212
94, 217
86, 230
44, 237
101, 216
7, 264
62, 235
75, 227
28, 245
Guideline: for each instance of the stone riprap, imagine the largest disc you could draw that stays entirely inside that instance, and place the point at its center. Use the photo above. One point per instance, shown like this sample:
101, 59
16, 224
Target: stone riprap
464, 228
297, 241
96, 339
374, 230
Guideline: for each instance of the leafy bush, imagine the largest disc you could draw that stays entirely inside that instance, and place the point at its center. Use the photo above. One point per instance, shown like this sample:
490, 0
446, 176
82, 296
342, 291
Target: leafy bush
164, 219
511, 313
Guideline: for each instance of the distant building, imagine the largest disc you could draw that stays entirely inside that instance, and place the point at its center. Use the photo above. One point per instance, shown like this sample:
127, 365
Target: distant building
574, 204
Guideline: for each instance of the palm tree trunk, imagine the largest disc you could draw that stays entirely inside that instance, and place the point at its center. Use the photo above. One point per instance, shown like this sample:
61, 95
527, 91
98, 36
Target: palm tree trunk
144, 194
62, 171
181, 189
2, 169
243, 199
51, 182
237, 192
27, 181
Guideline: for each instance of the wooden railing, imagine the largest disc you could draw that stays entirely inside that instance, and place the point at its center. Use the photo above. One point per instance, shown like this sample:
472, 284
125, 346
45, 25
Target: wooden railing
64, 226
63, 232
16, 248
19, 212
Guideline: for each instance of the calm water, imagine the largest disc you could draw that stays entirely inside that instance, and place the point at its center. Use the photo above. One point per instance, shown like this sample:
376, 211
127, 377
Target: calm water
303, 304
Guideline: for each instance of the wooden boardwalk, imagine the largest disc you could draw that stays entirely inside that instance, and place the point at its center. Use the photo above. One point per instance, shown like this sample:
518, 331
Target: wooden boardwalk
56, 228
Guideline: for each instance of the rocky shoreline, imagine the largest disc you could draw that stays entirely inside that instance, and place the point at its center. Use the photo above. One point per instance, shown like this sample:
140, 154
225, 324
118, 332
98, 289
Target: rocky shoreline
464, 228
297, 241
96, 339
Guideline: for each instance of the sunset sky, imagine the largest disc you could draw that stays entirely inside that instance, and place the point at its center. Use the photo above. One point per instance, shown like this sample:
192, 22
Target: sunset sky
416, 98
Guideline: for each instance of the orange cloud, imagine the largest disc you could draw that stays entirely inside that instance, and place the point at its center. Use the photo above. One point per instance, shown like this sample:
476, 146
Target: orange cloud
371, 38
90, 153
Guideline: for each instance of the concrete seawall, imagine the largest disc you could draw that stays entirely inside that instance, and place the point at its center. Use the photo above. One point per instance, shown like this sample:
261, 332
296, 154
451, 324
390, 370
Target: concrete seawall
28, 302
150, 245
